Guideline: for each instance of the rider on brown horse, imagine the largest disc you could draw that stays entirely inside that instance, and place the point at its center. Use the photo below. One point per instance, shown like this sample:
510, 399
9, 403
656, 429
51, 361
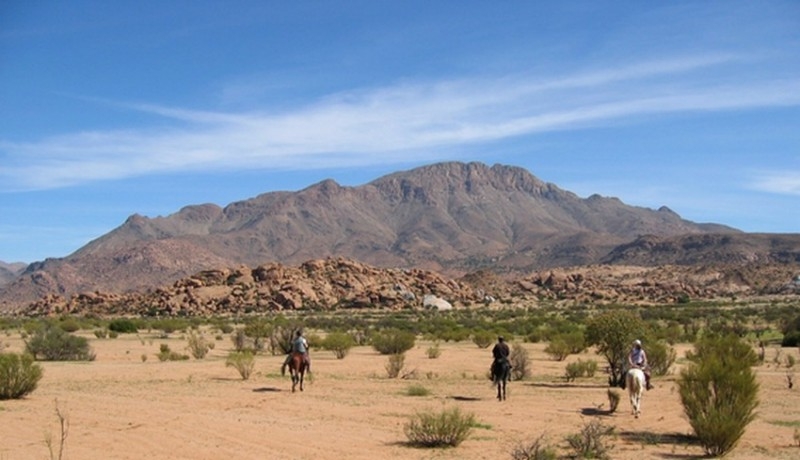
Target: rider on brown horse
299, 345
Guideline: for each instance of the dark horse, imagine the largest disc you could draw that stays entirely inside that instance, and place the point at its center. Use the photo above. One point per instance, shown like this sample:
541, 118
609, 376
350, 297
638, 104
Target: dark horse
501, 373
297, 368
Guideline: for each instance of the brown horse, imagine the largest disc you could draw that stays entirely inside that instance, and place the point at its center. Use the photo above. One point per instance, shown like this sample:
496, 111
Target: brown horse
297, 369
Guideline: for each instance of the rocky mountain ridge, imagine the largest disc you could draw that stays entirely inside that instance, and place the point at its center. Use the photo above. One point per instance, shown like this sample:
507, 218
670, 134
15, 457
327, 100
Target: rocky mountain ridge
449, 218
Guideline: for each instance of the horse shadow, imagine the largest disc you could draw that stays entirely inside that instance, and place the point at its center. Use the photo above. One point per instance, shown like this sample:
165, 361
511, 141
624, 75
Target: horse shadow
266, 390
596, 412
668, 439
559, 385
464, 398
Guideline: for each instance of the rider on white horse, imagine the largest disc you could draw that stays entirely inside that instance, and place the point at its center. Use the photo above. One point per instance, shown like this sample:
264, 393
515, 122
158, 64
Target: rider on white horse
638, 358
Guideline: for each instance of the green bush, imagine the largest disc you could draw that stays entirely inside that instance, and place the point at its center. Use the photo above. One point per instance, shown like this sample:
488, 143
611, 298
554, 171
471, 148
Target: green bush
660, 357
483, 338
393, 341
165, 354
198, 345
447, 428
558, 349
69, 325
242, 361
417, 390
433, 351
55, 344
123, 326
339, 343
719, 392
580, 368
19, 375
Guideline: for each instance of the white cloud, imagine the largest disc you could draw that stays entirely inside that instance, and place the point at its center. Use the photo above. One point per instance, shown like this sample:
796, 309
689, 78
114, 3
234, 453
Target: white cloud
404, 122
780, 182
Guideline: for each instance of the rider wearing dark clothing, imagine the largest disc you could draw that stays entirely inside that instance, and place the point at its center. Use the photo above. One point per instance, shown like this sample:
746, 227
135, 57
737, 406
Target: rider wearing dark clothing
500, 353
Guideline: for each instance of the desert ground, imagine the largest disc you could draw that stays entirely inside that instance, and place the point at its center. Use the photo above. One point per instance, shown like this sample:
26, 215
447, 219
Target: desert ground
123, 407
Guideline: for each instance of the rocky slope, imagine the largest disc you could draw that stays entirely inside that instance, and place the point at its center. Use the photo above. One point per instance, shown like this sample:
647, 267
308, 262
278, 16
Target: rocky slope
326, 284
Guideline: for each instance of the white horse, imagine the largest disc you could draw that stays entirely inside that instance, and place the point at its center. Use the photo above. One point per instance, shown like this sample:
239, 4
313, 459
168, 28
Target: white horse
635, 383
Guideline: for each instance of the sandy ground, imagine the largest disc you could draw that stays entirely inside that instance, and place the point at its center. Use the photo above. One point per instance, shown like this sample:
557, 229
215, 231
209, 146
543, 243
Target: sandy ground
119, 407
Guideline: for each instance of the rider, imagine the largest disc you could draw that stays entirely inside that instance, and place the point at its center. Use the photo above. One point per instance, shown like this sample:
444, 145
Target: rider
299, 345
638, 358
500, 353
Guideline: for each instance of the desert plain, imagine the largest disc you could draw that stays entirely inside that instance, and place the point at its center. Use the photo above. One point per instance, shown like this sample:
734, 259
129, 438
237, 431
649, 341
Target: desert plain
126, 404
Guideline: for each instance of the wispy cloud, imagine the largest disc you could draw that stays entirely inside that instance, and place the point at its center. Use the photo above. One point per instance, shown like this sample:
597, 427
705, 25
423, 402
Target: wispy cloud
781, 182
404, 122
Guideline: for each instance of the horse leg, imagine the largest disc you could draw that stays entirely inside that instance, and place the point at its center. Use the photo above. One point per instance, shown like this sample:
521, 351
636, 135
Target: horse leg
302, 374
504, 389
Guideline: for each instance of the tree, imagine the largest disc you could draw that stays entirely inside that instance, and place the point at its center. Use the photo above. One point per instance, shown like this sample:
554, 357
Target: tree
612, 333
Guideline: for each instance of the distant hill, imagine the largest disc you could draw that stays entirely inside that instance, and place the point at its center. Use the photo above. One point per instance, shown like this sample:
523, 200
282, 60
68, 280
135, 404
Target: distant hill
9, 271
451, 218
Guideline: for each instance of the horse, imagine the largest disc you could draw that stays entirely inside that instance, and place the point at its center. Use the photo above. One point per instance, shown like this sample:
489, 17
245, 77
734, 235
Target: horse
501, 373
297, 369
635, 383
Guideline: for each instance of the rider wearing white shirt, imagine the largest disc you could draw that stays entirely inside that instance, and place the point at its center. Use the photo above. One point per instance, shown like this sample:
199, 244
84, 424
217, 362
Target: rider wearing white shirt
638, 358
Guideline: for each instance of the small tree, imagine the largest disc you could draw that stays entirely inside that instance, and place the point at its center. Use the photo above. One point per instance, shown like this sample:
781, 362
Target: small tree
719, 392
520, 362
19, 375
612, 332
55, 344
393, 341
339, 343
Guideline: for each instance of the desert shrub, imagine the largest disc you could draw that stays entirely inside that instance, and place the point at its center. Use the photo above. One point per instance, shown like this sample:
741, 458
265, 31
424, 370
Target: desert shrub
791, 339
417, 390
447, 428
613, 400
591, 441
123, 326
719, 392
198, 345
242, 361
660, 357
393, 341
557, 349
69, 325
433, 351
19, 375
482, 338
260, 332
538, 449
339, 343
101, 333
580, 368
395, 364
165, 354
520, 362
55, 344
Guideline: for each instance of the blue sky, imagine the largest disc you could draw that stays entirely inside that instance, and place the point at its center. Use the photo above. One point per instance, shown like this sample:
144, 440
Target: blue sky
113, 108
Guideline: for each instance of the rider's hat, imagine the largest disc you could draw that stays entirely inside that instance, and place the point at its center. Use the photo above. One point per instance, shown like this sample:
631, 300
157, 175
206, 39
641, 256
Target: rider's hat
500, 338
637, 342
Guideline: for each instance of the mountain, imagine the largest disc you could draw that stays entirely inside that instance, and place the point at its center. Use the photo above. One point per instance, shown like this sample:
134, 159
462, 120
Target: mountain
451, 218
9, 271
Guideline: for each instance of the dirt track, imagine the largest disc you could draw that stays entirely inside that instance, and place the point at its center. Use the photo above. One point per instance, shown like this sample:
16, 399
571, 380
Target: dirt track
119, 407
